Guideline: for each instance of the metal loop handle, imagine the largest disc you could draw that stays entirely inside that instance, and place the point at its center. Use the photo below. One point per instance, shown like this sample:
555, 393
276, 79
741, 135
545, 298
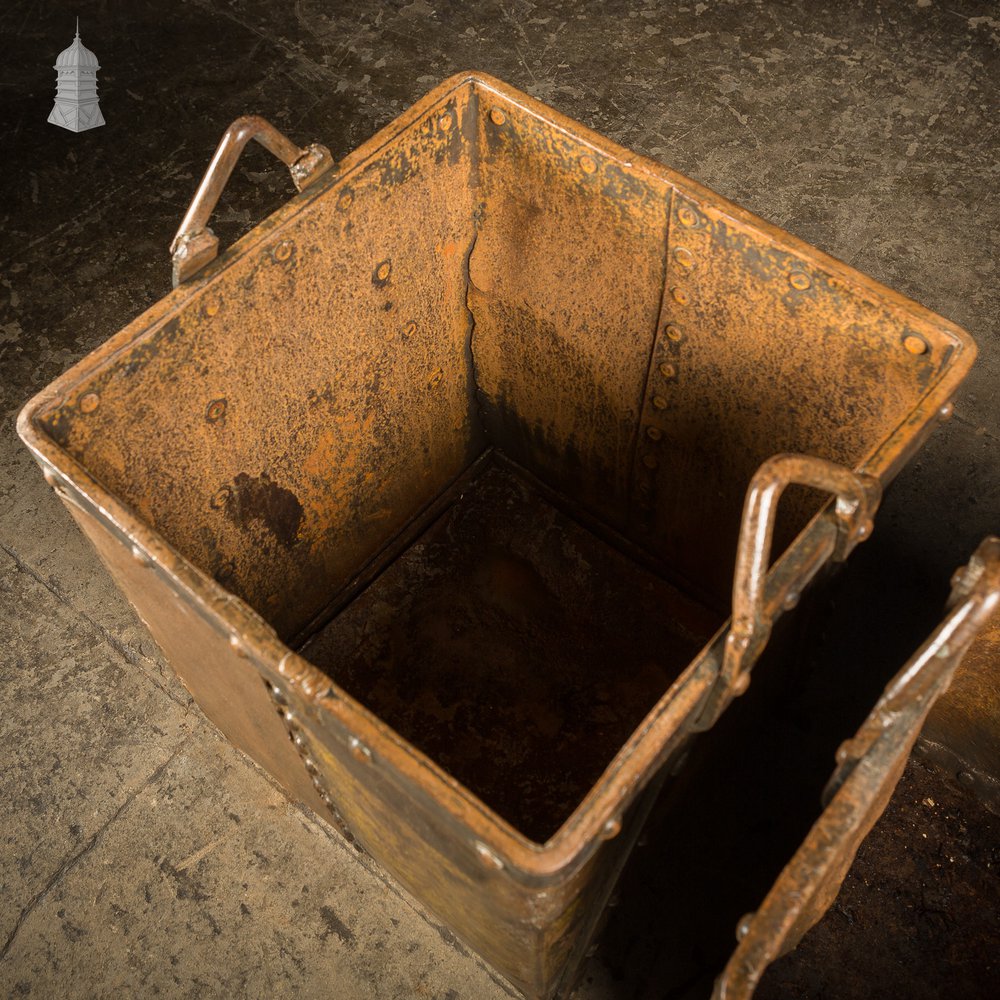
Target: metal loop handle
858, 497
868, 766
195, 245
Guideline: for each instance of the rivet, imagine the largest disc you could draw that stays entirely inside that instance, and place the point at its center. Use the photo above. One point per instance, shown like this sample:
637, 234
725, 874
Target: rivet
946, 411
497, 117
679, 295
687, 216
791, 600
673, 332
667, 370
611, 828
799, 280
659, 403
310, 765
915, 344
383, 271
743, 927
966, 778
650, 461
216, 410
140, 556
345, 200
684, 257
359, 750
283, 250
220, 498
410, 329
211, 307
654, 433
236, 644
487, 858
89, 402
49, 475
587, 164
445, 122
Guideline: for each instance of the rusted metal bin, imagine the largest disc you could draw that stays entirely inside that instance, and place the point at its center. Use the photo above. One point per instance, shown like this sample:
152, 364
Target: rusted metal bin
440, 472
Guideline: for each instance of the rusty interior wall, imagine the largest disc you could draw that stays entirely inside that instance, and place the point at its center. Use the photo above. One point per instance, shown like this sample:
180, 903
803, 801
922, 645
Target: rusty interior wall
655, 417
486, 278
767, 354
565, 283
296, 414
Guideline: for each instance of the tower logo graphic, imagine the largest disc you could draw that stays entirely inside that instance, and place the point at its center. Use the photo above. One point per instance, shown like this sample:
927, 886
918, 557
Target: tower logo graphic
76, 106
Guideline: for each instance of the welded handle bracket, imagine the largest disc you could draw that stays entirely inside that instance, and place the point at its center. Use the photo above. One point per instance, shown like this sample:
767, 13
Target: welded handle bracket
857, 499
195, 245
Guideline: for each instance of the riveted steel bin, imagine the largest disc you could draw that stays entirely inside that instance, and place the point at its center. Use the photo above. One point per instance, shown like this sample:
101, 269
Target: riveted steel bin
432, 487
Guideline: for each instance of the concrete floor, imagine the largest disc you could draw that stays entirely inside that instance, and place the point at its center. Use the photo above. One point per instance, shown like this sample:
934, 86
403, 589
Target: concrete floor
142, 854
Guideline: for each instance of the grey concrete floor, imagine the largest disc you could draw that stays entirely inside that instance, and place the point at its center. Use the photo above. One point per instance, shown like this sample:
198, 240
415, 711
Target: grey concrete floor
142, 854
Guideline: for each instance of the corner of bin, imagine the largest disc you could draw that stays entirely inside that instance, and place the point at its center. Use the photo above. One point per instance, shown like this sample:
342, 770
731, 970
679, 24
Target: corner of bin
27, 430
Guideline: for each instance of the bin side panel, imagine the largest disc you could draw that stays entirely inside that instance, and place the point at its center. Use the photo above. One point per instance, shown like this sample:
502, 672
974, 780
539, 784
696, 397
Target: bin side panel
226, 686
430, 854
565, 285
295, 412
761, 351
569, 934
532, 930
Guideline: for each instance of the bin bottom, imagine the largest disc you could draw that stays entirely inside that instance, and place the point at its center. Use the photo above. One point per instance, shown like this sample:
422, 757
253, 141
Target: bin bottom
513, 646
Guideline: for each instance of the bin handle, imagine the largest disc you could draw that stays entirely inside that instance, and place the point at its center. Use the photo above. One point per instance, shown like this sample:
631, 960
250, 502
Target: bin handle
868, 766
857, 498
195, 245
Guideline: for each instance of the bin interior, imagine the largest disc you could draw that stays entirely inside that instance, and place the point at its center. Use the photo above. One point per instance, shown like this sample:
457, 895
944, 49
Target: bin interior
385, 417
513, 646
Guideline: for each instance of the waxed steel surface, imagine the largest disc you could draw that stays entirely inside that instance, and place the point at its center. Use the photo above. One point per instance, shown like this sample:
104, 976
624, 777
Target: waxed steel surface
483, 274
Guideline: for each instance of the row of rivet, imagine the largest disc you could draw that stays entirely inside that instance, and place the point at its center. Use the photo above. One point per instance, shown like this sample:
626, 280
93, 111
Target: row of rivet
680, 266
587, 163
798, 279
301, 744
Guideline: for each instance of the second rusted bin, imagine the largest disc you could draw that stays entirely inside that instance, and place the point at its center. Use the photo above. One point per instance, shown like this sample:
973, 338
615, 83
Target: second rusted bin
432, 487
